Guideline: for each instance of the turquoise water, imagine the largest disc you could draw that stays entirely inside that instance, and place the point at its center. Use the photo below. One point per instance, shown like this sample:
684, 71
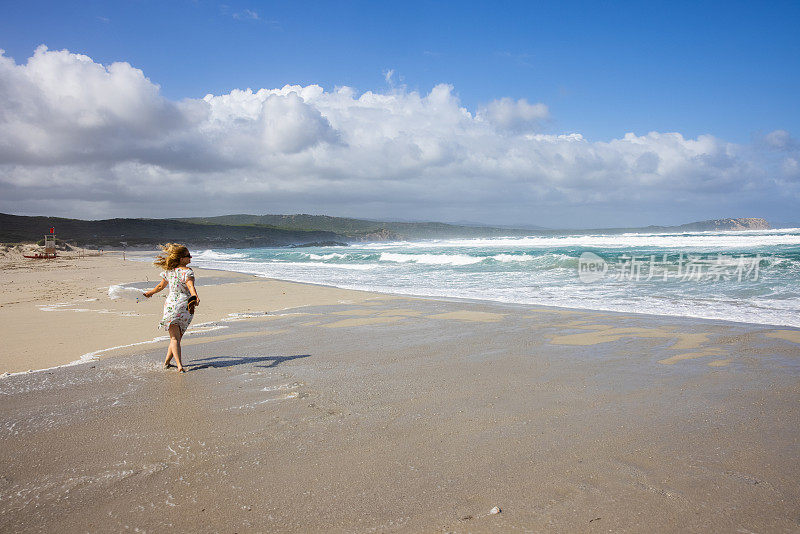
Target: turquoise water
750, 276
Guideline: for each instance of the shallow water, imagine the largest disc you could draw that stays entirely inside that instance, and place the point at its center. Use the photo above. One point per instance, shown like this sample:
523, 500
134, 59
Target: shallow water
749, 276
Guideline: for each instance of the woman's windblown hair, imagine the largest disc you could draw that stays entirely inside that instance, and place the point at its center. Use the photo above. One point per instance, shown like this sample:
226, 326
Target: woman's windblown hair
171, 257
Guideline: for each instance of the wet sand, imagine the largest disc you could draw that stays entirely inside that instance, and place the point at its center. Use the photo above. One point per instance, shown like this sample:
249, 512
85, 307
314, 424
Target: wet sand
54, 312
360, 412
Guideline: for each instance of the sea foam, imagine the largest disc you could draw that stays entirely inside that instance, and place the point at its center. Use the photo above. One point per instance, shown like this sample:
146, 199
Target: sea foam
543, 270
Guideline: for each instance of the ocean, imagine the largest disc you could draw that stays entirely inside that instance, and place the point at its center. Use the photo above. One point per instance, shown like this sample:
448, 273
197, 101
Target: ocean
748, 276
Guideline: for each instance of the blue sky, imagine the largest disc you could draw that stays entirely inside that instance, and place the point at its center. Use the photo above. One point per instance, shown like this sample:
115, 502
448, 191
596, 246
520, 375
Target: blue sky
730, 69
725, 69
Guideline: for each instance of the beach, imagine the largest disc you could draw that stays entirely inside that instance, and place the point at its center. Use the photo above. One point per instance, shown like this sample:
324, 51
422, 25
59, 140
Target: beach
309, 408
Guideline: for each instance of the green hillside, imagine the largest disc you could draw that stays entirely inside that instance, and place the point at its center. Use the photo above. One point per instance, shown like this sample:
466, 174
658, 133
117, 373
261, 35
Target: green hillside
136, 232
359, 229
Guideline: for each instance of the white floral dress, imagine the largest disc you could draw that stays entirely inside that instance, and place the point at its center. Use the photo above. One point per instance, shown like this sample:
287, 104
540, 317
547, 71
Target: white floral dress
176, 308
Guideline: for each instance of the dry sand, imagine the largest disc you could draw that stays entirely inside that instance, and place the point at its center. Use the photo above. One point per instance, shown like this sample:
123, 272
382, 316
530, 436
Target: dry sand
350, 411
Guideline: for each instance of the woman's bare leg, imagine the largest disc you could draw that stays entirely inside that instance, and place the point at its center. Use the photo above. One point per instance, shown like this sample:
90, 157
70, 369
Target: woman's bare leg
175, 344
169, 356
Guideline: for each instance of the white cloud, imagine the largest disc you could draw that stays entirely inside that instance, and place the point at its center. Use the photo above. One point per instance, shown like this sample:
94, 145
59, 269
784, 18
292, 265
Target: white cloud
77, 137
517, 116
290, 125
781, 140
247, 14
65, 108
786, 150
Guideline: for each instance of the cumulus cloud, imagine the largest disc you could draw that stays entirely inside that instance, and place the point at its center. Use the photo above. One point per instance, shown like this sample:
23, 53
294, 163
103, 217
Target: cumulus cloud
291, 125
79, 138
64, 108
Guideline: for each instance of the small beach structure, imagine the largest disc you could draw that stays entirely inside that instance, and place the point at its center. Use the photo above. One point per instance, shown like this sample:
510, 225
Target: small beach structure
49, 247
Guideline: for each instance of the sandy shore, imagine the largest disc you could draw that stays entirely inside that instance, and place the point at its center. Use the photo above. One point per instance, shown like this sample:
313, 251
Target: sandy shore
309, 408
56, 311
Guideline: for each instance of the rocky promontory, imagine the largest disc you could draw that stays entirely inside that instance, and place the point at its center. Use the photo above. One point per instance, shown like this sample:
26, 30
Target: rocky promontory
743, 223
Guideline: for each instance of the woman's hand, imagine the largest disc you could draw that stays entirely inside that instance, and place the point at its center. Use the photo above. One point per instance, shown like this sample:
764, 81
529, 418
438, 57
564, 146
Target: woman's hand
194, 301
161, 285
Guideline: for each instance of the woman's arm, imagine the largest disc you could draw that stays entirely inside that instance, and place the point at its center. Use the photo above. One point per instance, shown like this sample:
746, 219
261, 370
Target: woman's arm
193, 291
161, 285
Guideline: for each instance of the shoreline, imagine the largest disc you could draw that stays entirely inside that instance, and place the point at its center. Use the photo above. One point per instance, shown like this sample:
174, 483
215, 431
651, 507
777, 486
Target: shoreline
445, 298
139, 259
56, 312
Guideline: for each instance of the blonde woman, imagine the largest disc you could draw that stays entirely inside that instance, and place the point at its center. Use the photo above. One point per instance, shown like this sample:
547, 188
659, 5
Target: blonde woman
181, 300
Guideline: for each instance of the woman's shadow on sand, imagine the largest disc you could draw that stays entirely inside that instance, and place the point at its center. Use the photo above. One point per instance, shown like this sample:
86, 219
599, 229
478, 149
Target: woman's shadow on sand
217, 362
